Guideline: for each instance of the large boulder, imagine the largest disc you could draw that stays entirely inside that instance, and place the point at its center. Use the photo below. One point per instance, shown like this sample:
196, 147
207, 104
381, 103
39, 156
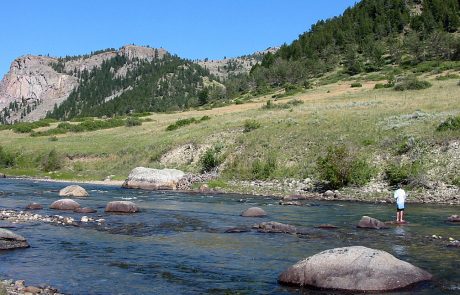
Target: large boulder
10, 240
372, 223
65, 204
275, 227
73, 191
453, 218
153, 179
354, 269
254, 212
121, 207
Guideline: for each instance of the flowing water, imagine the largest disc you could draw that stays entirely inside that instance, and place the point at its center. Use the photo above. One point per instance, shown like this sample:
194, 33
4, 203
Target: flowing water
177, 244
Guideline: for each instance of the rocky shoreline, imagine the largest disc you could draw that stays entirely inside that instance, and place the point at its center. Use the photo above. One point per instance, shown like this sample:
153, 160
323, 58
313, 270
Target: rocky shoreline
11, 287
438, 193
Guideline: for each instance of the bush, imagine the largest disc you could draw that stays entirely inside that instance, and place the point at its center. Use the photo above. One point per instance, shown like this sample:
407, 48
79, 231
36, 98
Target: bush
6, 159
381, 86
398, 173
51, 161
264, 169
340, 167
210, 160
133, 121
411, 83
250, 125
356, 85
451, 123
185, 122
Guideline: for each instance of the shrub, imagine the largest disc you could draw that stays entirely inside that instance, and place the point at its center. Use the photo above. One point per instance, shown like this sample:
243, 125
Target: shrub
22, 128
250, 125
239, 101
7, 159
51, 161
356, 85
340, 167
264, 169
180, 123
381, 86
398, 173
133, 121
210, 160
411, 83
451, 123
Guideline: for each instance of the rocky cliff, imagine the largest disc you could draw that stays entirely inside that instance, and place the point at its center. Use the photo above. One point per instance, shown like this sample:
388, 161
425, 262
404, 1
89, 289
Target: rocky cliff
34, 84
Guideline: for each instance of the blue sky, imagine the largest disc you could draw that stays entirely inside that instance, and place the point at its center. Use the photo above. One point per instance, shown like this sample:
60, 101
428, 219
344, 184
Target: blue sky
190, 28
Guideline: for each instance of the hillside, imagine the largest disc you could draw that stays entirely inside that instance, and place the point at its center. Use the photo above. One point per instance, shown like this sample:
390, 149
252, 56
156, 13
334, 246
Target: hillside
276, 149
359, 103
108, 82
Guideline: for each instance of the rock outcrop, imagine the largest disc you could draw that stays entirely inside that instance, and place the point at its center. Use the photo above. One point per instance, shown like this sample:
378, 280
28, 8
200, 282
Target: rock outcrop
35, 83
65, 204
121, 207
73, 191
254, 212
372, 223
10, 240
153, 179
354, 269
33, 80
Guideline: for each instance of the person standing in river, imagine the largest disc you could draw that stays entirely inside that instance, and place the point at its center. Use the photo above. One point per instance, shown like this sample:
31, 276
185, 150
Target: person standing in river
400, 196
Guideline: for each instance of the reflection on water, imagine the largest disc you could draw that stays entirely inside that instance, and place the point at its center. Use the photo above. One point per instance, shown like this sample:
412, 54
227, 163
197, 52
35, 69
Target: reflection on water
177, 243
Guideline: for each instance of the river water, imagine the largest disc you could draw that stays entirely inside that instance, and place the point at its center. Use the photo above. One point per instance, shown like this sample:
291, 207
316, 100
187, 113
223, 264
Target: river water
177, 244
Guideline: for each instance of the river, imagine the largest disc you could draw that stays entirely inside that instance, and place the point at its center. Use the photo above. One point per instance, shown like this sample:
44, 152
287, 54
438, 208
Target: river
177, 244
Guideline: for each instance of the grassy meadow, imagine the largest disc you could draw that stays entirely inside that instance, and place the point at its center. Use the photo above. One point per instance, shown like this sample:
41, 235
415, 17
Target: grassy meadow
373, 124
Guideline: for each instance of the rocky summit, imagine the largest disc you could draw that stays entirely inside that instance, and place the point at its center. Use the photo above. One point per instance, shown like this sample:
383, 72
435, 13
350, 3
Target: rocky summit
34, 84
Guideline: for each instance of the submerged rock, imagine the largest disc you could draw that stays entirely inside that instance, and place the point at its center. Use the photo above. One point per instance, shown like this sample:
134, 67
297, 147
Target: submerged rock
354, 269
453, 218
64, 204
153, 179
369, 222
121, 207
34, 206
237, 230
85, 210
326, 226
10, 240
254, 212
73, 191
275, 227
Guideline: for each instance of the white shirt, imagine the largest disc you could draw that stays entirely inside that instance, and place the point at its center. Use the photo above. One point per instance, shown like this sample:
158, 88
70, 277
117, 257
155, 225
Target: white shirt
400, 196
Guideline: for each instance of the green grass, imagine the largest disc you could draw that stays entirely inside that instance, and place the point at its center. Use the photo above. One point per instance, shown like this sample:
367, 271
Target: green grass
369, 121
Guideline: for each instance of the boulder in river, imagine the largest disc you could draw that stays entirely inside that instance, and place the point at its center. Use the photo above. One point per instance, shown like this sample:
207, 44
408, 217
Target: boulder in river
65, 204
73, 191
121, 207
2, 175
453, 218
34, 206
10, 240
275, 227
357, 269
372, 223
85, 210
254, 212
153, 179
